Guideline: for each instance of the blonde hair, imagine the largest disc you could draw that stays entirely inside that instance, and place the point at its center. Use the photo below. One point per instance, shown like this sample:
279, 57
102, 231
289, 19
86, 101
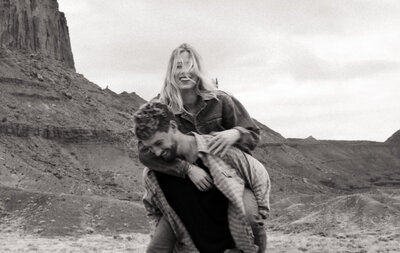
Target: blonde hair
170, 93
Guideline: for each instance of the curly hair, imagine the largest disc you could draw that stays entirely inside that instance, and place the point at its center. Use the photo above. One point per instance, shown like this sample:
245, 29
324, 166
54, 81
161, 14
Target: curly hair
150, 118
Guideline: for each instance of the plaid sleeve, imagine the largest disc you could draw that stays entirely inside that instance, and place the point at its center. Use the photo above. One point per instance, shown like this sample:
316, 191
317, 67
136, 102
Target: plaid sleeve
152, 211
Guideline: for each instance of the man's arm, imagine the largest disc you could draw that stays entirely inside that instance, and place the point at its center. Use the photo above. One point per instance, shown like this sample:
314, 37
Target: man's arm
254, 175
177, 167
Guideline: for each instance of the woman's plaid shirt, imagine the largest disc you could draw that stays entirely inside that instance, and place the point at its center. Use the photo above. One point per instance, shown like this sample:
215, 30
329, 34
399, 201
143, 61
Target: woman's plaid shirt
231, 174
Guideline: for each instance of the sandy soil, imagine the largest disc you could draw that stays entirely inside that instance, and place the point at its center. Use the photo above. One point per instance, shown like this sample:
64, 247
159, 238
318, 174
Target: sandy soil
367, 222
136, 242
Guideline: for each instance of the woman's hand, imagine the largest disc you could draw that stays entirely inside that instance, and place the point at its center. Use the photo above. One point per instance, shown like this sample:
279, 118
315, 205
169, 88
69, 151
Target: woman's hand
221, 141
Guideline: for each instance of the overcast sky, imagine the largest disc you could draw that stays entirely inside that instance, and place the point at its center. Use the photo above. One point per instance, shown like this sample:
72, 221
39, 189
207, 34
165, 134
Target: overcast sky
330, 69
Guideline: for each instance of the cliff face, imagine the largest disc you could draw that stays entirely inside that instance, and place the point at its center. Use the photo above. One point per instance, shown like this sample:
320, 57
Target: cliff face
35, 25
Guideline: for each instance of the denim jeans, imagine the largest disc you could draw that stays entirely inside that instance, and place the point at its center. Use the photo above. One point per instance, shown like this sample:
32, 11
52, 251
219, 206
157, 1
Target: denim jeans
257, 224
163, 240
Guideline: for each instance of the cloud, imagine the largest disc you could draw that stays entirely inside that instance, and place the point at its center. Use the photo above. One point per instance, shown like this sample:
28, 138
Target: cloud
305, 67
324, 17
366, 109
314, 68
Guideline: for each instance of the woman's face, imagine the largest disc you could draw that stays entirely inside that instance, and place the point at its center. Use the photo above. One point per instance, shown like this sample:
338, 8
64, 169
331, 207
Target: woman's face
184, 75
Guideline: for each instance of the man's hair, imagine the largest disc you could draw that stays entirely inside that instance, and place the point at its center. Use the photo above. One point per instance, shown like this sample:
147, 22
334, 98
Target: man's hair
150, 118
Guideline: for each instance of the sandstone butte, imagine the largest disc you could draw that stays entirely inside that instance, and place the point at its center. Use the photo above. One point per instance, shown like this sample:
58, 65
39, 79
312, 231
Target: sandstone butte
35, 25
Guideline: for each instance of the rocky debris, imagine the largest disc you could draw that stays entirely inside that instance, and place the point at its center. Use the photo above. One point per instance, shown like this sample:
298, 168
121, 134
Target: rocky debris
35, 25
38, 230
37, 76
67, 94
89, 230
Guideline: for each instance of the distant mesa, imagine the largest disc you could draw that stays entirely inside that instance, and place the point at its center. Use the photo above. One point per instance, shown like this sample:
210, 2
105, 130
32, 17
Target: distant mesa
37, 26
310, 138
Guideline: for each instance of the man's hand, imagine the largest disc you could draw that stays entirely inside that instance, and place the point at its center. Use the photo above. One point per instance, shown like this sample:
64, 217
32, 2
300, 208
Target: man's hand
221, 141
200, 178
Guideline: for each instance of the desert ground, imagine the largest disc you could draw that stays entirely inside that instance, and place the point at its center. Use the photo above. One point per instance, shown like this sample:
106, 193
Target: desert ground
136, 242
37, 222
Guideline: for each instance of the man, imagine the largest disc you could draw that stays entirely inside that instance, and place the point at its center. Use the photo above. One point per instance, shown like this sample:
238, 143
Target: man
210, 221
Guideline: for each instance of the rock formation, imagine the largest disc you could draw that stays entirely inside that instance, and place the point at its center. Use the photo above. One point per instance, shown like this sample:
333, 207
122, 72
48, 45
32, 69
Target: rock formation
35, 25
394, 139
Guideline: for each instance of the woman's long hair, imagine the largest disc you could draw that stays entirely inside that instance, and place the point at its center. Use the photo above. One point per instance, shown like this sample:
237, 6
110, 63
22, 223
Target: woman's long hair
170, 93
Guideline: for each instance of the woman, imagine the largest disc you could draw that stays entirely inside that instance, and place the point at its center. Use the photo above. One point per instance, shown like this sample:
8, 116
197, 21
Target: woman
199, 107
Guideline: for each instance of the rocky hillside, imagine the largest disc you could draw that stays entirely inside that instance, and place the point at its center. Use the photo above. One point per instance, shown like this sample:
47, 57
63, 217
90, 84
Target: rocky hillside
305, 166
394, 139
61, 133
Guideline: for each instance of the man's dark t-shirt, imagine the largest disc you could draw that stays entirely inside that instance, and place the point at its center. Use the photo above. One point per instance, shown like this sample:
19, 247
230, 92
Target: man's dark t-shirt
204, 214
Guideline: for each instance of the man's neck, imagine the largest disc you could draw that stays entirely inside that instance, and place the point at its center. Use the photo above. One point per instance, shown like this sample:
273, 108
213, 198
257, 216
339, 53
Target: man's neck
187, 148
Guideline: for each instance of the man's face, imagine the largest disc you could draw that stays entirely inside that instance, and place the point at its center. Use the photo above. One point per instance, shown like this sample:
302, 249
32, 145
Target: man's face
162, 144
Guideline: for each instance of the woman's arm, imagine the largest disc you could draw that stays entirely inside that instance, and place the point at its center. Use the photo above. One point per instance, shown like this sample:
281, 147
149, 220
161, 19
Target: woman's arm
241, 131
236, 116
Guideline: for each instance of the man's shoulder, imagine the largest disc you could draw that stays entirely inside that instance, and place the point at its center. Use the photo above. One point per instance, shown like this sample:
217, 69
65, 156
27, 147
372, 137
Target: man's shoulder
202, 141
147, 176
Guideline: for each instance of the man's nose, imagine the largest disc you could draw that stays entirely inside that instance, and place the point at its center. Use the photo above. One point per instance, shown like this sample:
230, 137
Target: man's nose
157, 151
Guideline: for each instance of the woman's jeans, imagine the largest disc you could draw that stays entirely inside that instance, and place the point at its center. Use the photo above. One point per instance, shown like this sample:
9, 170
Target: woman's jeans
163, 240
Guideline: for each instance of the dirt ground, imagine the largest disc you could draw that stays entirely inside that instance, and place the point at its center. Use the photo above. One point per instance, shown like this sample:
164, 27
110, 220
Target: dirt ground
38, 222
136, 242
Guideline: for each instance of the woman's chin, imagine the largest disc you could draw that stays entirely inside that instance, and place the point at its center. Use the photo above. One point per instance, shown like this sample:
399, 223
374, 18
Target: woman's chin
187, 85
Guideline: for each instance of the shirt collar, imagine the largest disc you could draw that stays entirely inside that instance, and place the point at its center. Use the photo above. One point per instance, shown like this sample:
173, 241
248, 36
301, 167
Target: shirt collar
201, 142
203, 104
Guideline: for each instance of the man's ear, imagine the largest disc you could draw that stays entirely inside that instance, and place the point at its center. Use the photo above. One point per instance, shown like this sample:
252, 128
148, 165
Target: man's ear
173, 125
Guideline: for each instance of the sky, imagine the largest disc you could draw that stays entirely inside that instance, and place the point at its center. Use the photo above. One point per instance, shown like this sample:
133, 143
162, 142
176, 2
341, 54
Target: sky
327, 69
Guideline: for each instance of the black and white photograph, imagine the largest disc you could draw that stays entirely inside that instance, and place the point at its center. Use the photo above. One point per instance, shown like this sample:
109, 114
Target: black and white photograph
187, 126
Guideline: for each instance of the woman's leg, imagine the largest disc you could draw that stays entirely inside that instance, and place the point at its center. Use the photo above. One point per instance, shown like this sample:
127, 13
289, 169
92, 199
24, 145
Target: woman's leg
163, 240
257, 225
